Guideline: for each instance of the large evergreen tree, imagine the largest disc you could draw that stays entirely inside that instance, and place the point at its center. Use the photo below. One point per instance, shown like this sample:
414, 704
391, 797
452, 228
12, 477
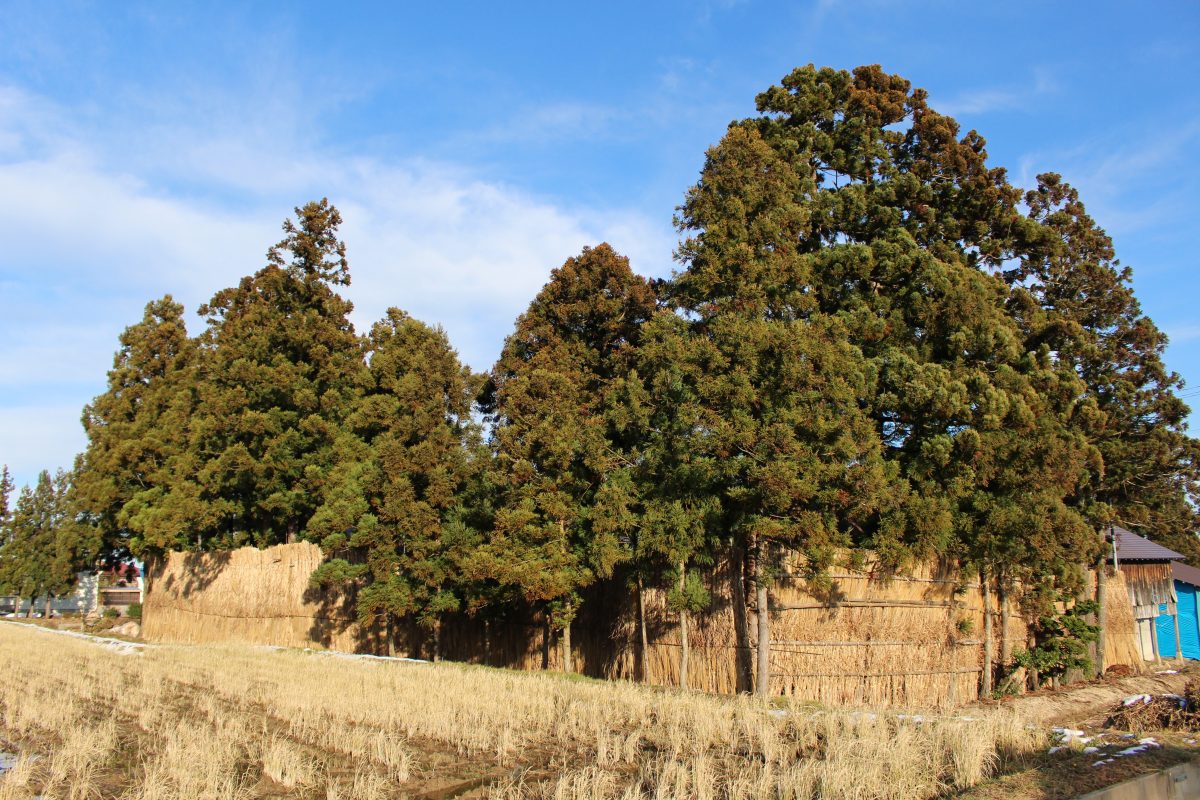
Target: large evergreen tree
665, 503
280, 370
405, 456
557, 454
138, 452
1147, 475
854, 213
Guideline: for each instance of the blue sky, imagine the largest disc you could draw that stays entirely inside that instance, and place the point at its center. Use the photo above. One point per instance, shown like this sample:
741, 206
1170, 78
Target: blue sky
147, 149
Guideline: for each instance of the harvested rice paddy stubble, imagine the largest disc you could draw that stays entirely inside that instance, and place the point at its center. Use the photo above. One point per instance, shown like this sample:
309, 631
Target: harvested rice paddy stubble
214, 722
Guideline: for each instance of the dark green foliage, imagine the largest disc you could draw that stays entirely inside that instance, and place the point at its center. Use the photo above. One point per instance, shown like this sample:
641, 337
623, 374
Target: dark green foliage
44, 547
1075, 298
875, 347
561, 462
1061, 642
6, 488
673, 519
129, 483
281, 365
851, 209
403, 458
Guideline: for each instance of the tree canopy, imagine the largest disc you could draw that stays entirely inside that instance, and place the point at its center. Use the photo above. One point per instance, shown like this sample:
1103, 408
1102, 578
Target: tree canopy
876, 348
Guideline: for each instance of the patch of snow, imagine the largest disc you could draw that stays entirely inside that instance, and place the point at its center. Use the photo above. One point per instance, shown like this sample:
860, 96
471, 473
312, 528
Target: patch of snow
1089, 750
363, 656
1167, 672
777, 712
120, 644
1144, 699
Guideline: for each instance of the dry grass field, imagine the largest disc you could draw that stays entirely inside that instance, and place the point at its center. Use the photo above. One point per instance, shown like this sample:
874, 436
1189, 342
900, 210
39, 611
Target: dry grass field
89, 720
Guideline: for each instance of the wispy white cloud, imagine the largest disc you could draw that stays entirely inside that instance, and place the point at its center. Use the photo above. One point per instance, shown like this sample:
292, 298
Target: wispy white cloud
1182, 333
1123, 176
1041, 83
97, 241
554, 121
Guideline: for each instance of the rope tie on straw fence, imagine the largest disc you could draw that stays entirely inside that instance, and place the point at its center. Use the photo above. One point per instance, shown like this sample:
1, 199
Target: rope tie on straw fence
158, 606
872, 604
891, 579
962, 671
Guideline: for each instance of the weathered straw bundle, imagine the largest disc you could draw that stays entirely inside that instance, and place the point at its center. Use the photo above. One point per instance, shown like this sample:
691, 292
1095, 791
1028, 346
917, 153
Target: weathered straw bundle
1120, 631
914, 639
249, 596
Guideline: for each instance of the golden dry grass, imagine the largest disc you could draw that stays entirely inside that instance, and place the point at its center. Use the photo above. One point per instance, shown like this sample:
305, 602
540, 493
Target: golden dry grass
227, 722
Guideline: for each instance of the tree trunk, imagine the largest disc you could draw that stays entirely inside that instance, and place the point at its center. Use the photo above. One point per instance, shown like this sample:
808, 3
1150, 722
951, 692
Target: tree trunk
1034, 678
29, 611
683, 630
435, 634
1101, 615
546, 640
644, 651
762, 598
291, 532
1081, 596
487, 643
741, 627
49, 599
1005, 619
568, 666
989, 657
390, 633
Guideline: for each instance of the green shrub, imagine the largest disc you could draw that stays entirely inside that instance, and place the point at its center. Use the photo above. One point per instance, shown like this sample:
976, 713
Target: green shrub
111, 613
1061, 642
134, 611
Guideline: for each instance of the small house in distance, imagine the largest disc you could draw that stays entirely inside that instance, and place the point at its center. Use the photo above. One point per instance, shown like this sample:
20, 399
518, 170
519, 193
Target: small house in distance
1149, 576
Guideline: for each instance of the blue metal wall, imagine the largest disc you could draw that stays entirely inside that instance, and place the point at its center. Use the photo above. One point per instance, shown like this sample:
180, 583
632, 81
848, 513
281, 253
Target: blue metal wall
1189, 621
1166, 632
1189, 625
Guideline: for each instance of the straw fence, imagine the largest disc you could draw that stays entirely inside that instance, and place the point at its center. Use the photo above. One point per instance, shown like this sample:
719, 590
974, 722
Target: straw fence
903, 640
1120, 630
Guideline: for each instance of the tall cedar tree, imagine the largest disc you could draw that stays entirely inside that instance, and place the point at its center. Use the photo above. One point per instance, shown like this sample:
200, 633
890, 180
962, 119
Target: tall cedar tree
557, 453
129, 483
851, 209
672, 520
6, 487
1147, 475
279, 372
404, 459
43, 550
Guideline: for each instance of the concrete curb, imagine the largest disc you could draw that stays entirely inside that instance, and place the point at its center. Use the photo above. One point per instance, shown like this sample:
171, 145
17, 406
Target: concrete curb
1180, 782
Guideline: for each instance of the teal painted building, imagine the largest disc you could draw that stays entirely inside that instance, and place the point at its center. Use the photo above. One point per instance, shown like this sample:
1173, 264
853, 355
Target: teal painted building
1186, 621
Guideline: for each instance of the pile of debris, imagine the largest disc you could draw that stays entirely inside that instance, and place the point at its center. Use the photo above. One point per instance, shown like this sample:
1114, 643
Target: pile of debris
1143, 712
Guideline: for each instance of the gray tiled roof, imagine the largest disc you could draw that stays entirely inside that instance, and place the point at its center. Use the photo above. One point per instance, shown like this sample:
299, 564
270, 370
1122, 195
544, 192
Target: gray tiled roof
1185, 573
1131, 547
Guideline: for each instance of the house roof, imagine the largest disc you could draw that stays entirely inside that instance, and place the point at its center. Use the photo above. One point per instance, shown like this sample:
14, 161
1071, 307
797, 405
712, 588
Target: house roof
1185, 573
1131, 547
